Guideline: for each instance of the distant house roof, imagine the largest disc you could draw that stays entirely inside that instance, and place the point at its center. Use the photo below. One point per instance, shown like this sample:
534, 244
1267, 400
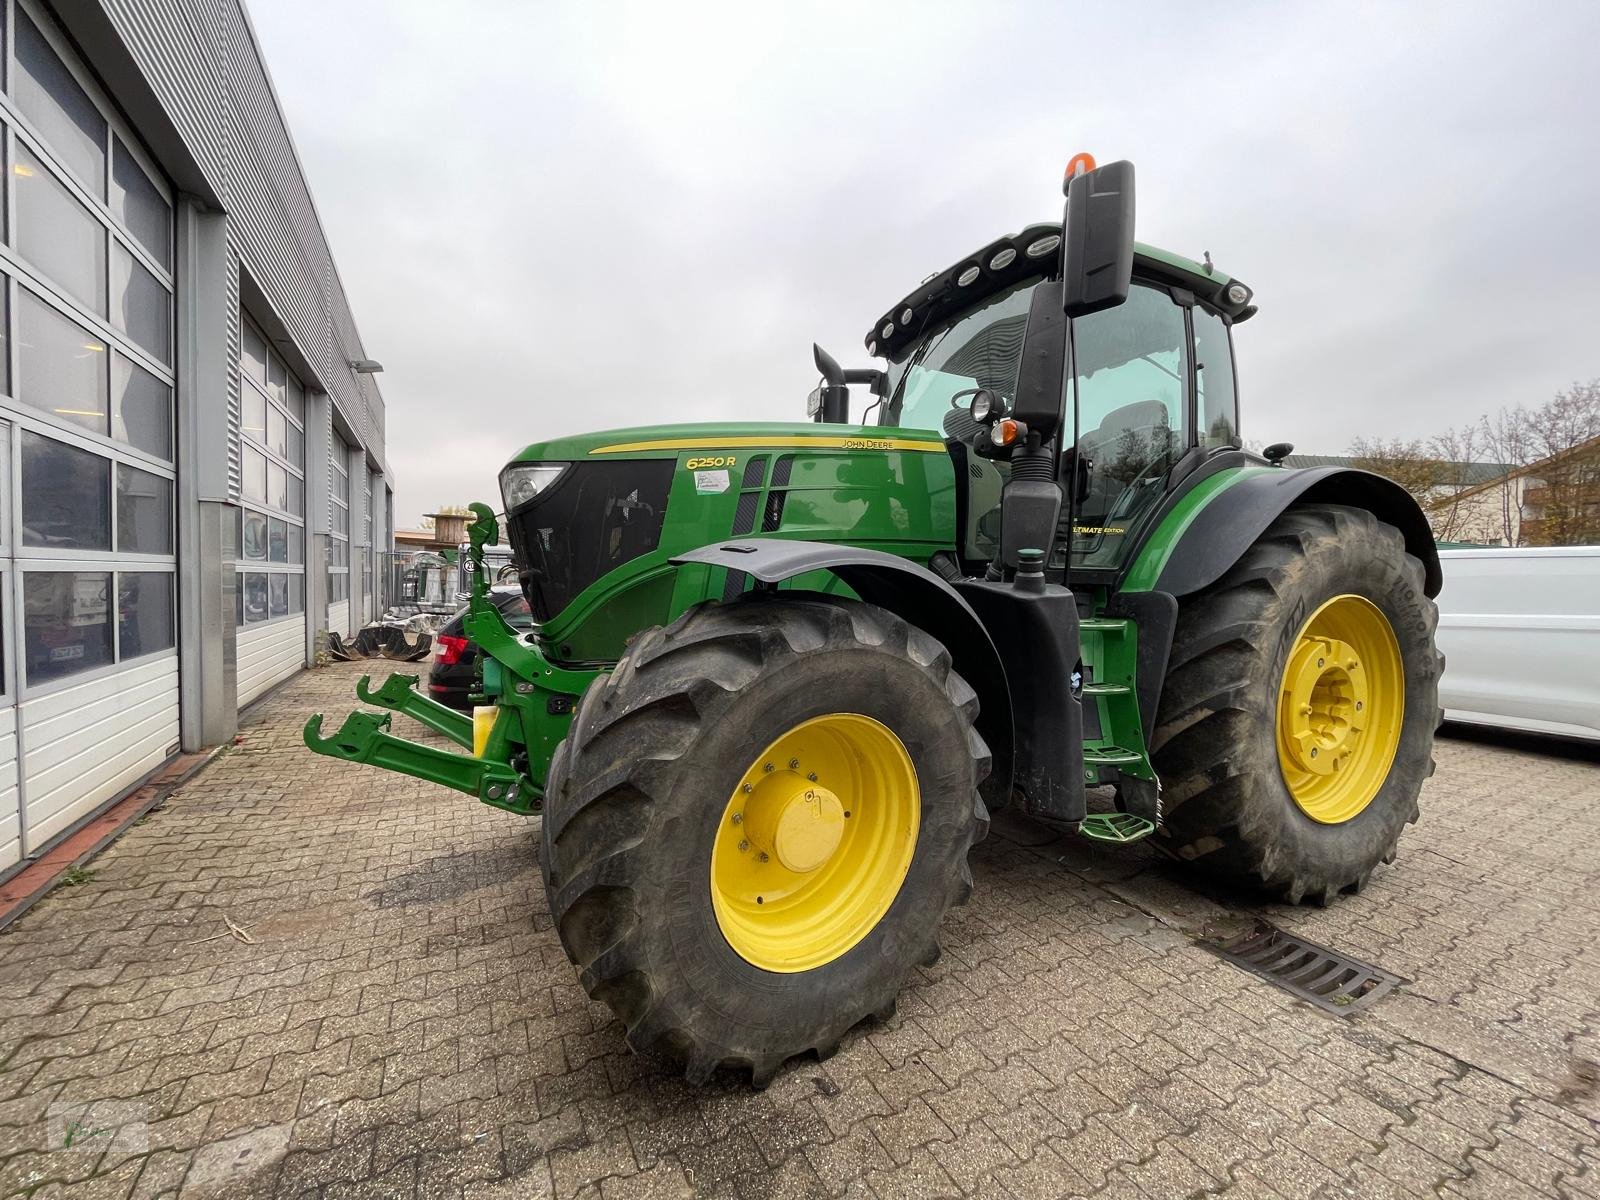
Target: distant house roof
1470, 474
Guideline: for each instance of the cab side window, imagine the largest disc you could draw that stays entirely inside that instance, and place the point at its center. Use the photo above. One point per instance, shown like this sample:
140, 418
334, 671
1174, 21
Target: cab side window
1131, 371
1213, 364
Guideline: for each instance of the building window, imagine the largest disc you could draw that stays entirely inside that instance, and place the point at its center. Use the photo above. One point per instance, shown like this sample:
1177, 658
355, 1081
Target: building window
272, 538
52, 99
62, 366
339, 523
57, 234
86, 299
140, 205
67, 620
66, 495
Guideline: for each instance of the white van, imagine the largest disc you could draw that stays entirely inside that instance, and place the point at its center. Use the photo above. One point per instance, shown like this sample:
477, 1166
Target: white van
1520, 632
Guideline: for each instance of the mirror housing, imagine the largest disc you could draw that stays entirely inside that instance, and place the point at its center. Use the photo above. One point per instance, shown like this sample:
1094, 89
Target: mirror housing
1097, 239
1042, 371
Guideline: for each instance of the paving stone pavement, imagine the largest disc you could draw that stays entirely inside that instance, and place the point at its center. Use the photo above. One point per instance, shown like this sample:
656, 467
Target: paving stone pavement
403, 1022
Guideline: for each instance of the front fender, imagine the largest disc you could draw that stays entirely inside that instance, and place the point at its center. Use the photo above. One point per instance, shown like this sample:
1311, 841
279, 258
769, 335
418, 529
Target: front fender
908, 590
1238, 514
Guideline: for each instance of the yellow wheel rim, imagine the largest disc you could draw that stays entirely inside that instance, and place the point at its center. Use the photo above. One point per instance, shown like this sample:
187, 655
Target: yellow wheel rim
815, 842
1340, 708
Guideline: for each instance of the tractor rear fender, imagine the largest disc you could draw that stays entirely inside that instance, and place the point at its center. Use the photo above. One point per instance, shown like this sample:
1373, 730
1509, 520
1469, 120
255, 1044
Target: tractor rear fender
1236, 516
911, 592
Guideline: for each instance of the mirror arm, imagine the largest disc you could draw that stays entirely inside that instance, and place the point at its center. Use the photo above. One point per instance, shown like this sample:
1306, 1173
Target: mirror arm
877, 381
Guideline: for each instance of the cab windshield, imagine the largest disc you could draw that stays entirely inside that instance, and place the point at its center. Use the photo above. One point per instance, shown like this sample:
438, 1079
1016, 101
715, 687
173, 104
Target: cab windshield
983, 348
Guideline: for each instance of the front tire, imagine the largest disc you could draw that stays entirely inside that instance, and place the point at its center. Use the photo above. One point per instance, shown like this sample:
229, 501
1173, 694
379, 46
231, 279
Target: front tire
1296, 722
756, 824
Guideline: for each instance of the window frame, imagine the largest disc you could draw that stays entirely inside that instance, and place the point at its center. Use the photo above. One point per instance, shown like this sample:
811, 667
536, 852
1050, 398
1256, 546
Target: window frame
1233, 375
1106, 573
253, 390
340, 454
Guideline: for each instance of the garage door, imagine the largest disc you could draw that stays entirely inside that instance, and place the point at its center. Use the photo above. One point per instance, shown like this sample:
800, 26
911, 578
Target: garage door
87, 536
272, 533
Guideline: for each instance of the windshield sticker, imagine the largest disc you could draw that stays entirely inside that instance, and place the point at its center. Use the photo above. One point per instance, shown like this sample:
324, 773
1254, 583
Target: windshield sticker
710, 483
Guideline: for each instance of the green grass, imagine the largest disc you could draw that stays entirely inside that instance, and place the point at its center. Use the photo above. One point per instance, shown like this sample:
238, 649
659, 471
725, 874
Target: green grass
73, 876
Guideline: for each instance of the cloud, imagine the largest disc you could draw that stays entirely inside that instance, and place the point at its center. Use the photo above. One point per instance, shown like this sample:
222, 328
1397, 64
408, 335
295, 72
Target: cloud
558, 217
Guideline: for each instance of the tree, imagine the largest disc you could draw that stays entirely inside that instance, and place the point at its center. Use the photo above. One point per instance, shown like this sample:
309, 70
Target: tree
1563, 493
1459, 453
1437, 472
1548, 462
1505, 440
1410, 464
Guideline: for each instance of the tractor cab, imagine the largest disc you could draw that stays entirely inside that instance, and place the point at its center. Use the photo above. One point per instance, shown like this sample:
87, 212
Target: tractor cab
1147, 392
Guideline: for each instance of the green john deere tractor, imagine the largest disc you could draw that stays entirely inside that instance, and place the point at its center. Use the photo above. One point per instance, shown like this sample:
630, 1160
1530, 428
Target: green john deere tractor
782, 673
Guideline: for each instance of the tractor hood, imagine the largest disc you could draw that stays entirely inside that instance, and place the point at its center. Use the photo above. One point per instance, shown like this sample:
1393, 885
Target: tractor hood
594, 518
670, 441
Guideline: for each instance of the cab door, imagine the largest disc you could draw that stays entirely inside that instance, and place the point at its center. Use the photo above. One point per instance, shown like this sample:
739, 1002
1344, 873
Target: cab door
1131, 388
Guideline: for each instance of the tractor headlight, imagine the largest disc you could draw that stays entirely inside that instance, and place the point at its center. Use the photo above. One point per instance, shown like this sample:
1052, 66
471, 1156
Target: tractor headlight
519, 484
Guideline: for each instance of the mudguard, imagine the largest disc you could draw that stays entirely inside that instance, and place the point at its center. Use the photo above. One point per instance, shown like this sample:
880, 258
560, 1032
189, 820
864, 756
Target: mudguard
1227, 526
908, 590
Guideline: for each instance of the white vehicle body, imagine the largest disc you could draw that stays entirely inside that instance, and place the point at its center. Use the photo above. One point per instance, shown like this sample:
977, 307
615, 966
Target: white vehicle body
1520, 632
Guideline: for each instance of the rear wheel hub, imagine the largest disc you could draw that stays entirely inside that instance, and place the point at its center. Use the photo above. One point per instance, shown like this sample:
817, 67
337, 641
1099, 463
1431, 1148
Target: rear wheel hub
1340, 709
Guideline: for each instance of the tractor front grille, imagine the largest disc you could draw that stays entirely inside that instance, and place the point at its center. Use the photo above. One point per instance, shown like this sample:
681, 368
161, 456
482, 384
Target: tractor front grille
593, 519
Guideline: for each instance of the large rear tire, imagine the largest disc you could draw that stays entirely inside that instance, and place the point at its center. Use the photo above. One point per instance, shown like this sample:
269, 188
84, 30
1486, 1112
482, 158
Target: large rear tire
756, 824
1296, 722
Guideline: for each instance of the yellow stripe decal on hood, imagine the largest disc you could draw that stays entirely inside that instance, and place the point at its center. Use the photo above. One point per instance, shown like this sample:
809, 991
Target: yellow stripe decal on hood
775, 443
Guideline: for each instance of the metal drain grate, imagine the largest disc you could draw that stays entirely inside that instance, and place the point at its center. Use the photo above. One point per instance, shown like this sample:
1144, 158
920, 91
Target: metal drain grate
1334, 982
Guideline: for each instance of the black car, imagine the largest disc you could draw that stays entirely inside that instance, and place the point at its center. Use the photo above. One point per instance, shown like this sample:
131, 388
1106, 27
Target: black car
454, 673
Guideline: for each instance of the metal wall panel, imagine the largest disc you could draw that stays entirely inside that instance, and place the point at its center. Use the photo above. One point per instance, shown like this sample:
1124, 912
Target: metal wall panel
86, 744
10, 816
177, 48
269, 654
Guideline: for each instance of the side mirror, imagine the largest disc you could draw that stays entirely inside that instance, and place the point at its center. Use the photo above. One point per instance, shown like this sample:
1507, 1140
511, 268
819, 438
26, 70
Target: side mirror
1042, 371
1097, 236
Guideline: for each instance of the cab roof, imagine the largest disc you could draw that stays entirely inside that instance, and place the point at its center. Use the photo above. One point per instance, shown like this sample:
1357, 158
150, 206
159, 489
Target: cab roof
1032, 253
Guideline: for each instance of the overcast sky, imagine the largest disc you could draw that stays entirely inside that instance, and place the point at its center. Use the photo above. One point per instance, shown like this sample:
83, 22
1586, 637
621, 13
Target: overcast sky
552, 218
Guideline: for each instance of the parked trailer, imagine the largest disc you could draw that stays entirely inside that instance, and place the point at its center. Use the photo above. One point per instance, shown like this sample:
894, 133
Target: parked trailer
1520, 632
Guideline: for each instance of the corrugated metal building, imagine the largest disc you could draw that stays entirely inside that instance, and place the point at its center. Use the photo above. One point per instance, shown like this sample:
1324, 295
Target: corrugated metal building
192, 473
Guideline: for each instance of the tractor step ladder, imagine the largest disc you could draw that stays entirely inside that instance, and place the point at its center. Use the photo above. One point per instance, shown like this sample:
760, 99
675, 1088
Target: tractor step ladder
1117, 828
1111, 654
1107, 689
1111, 756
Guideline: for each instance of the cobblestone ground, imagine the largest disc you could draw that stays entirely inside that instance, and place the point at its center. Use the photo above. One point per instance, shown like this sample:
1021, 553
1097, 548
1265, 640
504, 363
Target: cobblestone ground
402, 1021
